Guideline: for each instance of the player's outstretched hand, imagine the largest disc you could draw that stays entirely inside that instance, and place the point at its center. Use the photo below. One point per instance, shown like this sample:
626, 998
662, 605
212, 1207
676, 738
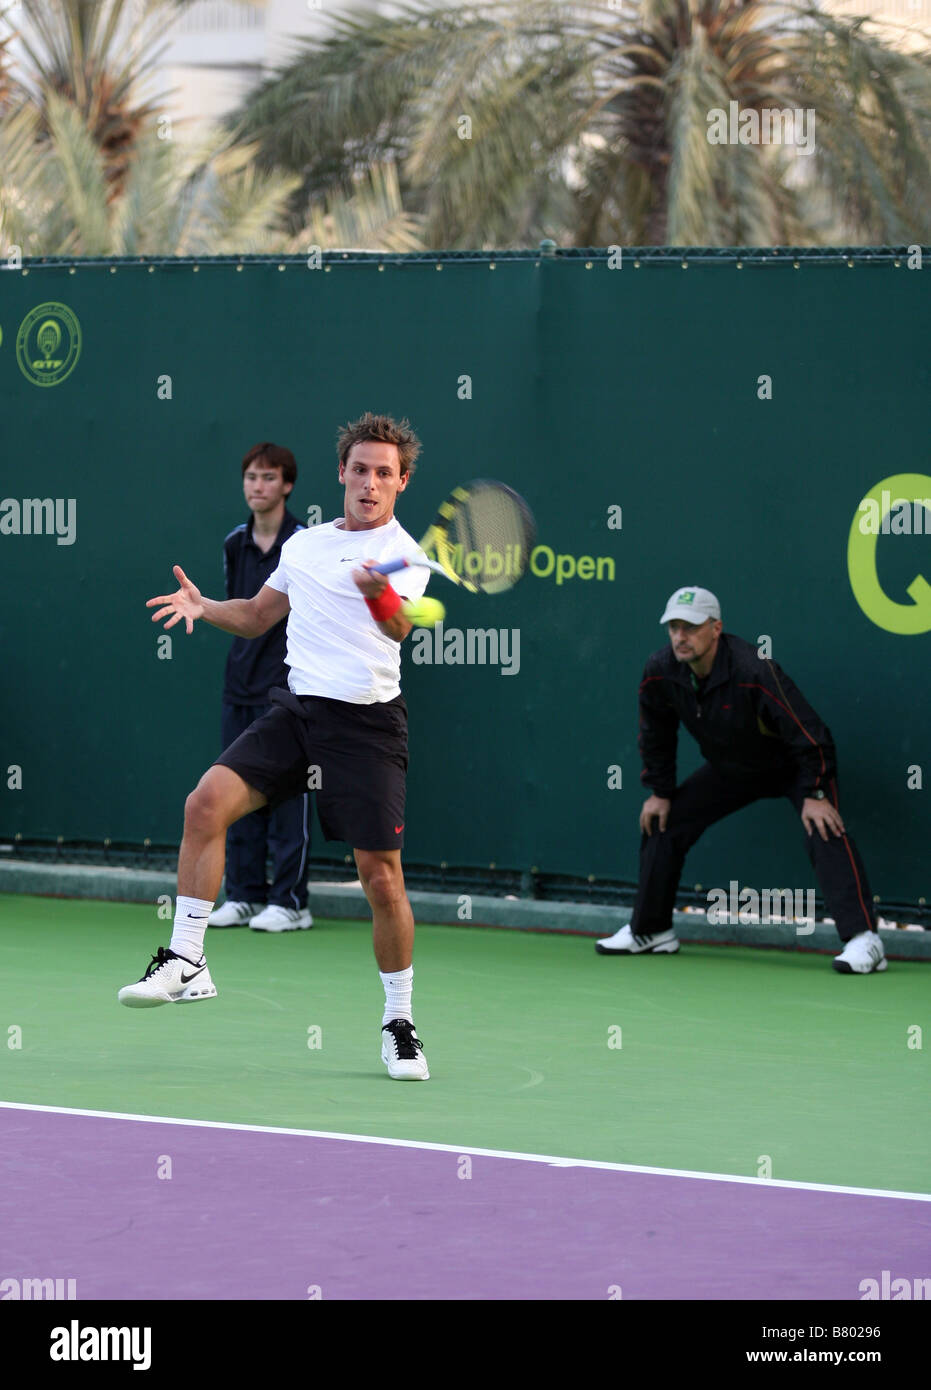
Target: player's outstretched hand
821, 816
654, 806
187, 603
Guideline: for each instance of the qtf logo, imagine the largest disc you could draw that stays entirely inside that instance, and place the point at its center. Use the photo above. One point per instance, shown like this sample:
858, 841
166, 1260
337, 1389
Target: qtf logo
900, 505
48, 344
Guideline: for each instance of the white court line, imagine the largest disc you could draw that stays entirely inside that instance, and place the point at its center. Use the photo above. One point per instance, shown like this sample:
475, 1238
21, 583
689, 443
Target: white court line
468, 1149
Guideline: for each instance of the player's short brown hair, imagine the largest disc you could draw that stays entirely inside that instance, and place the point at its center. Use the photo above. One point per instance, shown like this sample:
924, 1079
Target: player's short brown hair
382, 429
275, 457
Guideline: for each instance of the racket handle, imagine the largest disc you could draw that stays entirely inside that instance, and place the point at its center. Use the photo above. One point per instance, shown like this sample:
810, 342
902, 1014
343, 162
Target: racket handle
390, 566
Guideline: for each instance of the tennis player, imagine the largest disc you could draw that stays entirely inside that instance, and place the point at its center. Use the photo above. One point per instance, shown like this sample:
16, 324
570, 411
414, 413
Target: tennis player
341, 727
760, 738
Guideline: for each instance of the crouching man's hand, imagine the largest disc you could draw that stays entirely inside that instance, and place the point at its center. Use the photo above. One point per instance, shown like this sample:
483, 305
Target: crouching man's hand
654, 806
822, 816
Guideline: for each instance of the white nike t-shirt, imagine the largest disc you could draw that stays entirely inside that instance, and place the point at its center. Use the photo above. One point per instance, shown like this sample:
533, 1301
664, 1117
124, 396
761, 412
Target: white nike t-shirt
335, 647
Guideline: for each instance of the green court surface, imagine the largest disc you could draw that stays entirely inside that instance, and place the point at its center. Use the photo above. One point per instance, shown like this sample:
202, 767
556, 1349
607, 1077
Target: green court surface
728, 1057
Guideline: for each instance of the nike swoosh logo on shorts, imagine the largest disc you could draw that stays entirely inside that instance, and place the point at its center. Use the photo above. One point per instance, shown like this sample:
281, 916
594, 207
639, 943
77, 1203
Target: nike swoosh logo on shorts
399, 828
186, 979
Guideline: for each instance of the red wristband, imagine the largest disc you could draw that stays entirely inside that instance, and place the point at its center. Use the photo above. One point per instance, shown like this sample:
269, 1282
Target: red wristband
385, 606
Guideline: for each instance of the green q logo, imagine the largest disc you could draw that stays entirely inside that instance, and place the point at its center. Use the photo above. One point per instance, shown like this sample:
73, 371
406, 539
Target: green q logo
895, 506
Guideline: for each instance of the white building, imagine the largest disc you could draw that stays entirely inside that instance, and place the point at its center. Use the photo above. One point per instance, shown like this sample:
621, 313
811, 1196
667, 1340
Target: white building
219, 49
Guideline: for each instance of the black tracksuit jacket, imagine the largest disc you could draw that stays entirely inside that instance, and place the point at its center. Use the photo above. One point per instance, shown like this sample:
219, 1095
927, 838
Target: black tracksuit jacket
749, 719
254, 664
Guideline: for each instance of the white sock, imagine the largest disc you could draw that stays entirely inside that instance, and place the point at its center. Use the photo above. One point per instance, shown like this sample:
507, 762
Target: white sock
187, 936
399, 985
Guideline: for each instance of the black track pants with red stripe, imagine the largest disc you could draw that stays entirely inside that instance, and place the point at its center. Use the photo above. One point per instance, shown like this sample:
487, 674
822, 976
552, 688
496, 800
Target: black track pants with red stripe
708, 796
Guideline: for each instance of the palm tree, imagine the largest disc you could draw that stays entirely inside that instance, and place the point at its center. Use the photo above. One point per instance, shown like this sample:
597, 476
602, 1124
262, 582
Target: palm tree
6, 83
83, 172
589, 121
56, 200
55, 197
98, 55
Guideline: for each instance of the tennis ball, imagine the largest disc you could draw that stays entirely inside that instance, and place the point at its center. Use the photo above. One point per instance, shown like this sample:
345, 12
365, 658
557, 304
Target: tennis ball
423, 612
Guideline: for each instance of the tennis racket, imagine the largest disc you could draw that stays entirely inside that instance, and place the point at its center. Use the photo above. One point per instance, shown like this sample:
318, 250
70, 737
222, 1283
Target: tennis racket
480, 539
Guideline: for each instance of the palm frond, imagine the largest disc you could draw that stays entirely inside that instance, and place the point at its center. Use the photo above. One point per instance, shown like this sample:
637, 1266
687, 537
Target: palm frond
370, 218
695, 86
23, 162
80, 167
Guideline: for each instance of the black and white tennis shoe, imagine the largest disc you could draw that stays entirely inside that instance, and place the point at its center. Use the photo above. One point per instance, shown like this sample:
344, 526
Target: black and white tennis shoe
170, 979
402, 1051
625, 943
862, 955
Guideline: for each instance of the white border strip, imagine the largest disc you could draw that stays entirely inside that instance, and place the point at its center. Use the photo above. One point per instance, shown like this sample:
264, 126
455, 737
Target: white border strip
468, 1149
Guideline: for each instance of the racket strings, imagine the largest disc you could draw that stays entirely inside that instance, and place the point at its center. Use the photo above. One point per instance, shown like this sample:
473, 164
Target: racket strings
490, 535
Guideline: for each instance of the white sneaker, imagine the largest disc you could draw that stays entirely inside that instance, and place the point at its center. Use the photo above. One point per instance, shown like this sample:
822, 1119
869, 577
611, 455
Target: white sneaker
233, 914
624, 943
275, 918
402, 1051
170, 979
862, 955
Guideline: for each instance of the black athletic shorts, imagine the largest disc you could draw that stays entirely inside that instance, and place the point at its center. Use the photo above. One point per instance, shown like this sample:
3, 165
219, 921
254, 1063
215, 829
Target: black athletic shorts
353, 756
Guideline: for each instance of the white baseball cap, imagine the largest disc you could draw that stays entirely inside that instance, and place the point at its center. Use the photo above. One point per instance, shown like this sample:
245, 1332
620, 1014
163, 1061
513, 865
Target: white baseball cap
691, 605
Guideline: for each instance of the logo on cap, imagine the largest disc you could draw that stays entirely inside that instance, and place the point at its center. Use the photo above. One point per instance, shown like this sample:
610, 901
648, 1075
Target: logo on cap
687, 596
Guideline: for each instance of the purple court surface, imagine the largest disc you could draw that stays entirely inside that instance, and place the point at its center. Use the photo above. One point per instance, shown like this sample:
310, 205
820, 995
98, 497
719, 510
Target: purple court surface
253, 1214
